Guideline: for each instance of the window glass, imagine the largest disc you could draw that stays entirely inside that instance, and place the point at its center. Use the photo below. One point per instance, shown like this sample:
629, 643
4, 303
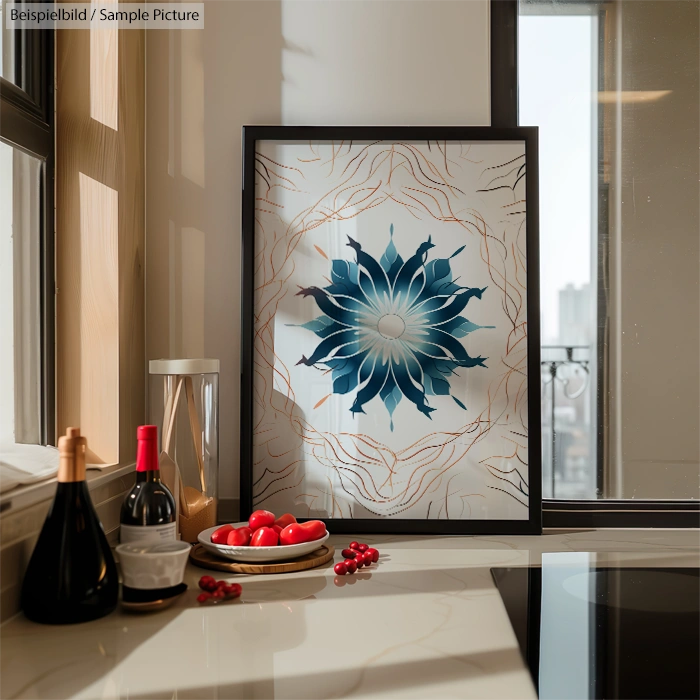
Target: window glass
613, 87
19, 296
7, 47
557, 72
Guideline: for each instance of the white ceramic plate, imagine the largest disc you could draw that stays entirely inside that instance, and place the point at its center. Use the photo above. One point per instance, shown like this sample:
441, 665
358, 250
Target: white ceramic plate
254, 555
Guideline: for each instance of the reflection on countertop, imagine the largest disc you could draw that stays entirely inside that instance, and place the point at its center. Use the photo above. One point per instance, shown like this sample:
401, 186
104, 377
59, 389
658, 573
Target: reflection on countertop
428, 621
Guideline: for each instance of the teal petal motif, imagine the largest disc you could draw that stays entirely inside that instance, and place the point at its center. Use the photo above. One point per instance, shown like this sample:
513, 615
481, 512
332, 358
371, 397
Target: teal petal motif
390, 328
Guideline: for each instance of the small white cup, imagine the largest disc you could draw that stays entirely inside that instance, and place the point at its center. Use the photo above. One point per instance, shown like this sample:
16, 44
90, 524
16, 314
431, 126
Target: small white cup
151, 566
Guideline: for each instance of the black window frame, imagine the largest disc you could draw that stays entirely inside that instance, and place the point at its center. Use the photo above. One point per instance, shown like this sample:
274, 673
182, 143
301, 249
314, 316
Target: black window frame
558, 513
27, 123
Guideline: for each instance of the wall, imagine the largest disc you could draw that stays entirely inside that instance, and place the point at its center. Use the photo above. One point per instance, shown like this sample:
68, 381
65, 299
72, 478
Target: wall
100, 217
289, 62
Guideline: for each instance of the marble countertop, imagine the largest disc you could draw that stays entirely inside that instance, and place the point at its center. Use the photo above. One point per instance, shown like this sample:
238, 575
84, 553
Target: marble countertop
426, 622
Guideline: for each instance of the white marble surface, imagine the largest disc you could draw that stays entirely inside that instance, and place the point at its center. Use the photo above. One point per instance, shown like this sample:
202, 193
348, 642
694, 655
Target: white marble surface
426, 622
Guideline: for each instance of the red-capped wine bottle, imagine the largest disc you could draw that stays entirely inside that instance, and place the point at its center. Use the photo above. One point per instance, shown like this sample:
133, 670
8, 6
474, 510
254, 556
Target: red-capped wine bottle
71, 576
148, 511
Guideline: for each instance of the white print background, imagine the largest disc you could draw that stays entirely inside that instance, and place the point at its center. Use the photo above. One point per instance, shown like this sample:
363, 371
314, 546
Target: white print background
309, 461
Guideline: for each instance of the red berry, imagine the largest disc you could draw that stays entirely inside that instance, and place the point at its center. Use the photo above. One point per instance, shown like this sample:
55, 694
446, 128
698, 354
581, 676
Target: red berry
203, 597
235, 589
221, 584
362, 547
204, 582
351, 565
354, 545
207, 583
367, 559
340, 568
219, 594
374, 553
359, 560
349, 553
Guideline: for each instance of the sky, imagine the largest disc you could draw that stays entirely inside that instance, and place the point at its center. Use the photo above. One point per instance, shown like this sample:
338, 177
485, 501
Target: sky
557, 69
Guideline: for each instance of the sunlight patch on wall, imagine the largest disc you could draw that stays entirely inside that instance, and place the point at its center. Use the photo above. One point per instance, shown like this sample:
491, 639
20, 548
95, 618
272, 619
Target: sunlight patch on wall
104, 75
97, 273
192, 107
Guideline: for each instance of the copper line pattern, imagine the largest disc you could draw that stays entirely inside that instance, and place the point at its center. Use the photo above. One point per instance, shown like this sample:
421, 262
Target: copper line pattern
285, 488
443, 181
431, 166
312, 496
515, 498
267, 201
508, 481
307, 220
362, 467
280, 165
444, 153
464, 157
502, 177
502, 165
259, 494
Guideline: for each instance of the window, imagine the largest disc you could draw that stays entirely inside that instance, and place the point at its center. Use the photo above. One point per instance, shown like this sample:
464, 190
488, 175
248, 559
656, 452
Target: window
562, 50
614, 88
26, 237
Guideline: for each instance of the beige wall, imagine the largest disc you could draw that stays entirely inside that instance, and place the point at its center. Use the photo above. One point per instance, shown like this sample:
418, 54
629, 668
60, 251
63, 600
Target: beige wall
100, 217
655, 269
289, 62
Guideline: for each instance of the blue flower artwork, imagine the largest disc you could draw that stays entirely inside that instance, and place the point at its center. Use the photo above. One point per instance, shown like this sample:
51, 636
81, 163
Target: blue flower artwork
391, 328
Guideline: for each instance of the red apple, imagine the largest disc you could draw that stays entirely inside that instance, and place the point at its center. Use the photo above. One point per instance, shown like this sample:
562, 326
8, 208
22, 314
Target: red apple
239, 537
220, 536
284, 520
296, 533
264, 537
261, 518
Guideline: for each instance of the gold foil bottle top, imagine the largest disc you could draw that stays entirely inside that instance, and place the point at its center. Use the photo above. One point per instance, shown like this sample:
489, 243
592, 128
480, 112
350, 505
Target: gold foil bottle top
71, 450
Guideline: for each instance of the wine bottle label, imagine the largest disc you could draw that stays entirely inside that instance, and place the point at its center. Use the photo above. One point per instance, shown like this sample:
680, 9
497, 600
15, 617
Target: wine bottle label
148, 533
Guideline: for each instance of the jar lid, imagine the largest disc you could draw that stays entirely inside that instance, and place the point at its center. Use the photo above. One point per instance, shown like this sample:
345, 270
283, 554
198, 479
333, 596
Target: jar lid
193, 366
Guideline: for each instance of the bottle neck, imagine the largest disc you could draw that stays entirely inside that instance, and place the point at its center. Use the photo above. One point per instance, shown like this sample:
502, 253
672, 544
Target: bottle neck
150, 476
147, 457
71, 466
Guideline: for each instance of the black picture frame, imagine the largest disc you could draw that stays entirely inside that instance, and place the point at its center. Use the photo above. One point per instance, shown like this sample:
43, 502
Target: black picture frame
529, 135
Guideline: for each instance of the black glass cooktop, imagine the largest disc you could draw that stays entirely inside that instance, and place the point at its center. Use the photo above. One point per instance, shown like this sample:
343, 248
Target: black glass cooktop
592, 632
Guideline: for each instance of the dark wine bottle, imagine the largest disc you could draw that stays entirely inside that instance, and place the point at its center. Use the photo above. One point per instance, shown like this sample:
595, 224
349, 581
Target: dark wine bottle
148, 511
71, 575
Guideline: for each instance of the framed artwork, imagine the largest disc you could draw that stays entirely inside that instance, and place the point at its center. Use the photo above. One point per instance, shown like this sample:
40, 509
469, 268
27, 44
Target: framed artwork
390, 360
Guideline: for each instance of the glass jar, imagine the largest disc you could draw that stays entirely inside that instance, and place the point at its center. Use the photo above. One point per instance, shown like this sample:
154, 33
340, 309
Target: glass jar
184, 404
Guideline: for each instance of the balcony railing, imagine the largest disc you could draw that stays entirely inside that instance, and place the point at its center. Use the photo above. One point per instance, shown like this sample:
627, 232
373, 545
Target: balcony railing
568, 422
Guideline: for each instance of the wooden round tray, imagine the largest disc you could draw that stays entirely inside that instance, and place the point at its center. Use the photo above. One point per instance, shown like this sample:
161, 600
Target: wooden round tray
200, 557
